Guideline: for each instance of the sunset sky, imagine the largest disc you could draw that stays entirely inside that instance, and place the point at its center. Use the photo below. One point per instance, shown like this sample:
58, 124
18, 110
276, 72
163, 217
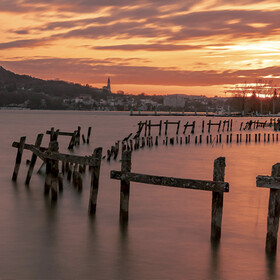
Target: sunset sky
155, 46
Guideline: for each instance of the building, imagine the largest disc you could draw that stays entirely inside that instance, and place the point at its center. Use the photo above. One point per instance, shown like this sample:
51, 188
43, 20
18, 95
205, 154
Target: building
107, 89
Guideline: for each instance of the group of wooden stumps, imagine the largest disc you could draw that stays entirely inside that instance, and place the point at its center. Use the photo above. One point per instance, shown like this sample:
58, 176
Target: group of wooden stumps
58, 164
74, 166
143, 136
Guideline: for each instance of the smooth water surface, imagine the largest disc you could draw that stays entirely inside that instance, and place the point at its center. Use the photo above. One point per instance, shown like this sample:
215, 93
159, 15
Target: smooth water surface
168, 235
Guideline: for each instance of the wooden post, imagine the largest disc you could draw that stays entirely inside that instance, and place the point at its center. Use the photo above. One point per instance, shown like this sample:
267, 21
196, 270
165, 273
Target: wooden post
18, 158
209, 126
33, 159
193, 127
160, 125
273, 214
166, 126
202, 130
149, 128
217, 200
178, 127
125, 188
78, 136
88, 134
97, 154
84, 139
51, 179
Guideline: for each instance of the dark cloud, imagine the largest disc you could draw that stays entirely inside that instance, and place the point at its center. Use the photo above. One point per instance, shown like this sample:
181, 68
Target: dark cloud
28, 43
93, 71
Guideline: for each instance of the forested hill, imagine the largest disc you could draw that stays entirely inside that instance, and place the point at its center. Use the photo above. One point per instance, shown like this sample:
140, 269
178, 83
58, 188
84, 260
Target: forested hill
11, 82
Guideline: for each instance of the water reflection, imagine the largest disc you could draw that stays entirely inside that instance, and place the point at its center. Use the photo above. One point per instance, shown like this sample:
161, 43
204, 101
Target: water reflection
271, 266
215, 260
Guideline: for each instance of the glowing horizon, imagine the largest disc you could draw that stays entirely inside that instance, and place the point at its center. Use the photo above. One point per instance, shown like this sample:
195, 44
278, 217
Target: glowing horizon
147, 46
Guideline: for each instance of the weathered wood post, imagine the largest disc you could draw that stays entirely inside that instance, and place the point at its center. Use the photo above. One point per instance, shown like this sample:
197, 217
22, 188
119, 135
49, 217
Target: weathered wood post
217, 200
18, 158
178, 127
273, 214
33, 159
78, 136
160, 125
96, 157
125, 187
88, 134
51, 179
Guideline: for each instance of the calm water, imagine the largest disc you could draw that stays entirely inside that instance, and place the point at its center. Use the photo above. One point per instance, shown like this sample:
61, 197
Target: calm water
168, 235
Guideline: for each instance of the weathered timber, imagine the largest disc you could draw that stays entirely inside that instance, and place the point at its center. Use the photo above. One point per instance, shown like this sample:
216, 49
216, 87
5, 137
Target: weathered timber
125, 187
273, 207
33, 159
217, 200
72, 140
94, 185
43, 153
268, 182
88, 134
84, 139
217, 186
18, 158
51, 180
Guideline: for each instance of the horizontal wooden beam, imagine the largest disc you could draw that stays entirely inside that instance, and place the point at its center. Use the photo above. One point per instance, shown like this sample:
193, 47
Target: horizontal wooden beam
28, 146
62, 133
268, 182
44, 154
216, 186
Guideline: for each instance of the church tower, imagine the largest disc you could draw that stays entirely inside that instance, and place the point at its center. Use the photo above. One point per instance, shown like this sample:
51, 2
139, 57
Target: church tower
109, 85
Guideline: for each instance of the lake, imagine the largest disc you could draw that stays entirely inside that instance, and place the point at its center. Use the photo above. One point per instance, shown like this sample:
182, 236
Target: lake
168, 235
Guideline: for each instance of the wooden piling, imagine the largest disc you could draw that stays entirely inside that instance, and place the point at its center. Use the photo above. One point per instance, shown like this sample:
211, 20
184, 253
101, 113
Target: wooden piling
33, 159
217, 200
84, 139
95, 171
88, 134
125, 188
273, 214
18, 158
178, 127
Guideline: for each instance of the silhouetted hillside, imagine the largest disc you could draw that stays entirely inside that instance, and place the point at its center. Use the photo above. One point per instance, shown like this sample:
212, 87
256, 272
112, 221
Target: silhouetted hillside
12, 82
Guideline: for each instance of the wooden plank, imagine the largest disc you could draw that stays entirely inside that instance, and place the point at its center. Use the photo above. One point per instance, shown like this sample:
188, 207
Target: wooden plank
33, 159
94, 185
273, 214
217, 200
44, 154
171, 182
18, 158
268, 182
61, 133
28, 146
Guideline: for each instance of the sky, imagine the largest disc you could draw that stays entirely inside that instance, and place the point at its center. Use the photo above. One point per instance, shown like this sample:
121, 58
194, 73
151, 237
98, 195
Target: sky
197, 47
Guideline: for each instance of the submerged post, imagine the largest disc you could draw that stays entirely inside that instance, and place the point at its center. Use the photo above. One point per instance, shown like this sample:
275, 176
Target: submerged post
18, 158
33, 159
125, 187
273, 214
97, 154
88, 134
217, 200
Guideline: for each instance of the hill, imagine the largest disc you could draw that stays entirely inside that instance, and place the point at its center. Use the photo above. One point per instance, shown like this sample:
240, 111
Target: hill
21, 89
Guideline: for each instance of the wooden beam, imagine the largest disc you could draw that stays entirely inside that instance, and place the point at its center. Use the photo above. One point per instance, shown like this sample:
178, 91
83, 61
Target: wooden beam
273, 214
94, 185
43, 154
33, 159
268, 182
18, 158
61, 133
216, 186
125, 187
217, 200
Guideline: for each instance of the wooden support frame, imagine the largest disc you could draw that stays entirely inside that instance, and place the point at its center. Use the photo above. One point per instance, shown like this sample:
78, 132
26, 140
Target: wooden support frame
217, 186
51, 156
273, 183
